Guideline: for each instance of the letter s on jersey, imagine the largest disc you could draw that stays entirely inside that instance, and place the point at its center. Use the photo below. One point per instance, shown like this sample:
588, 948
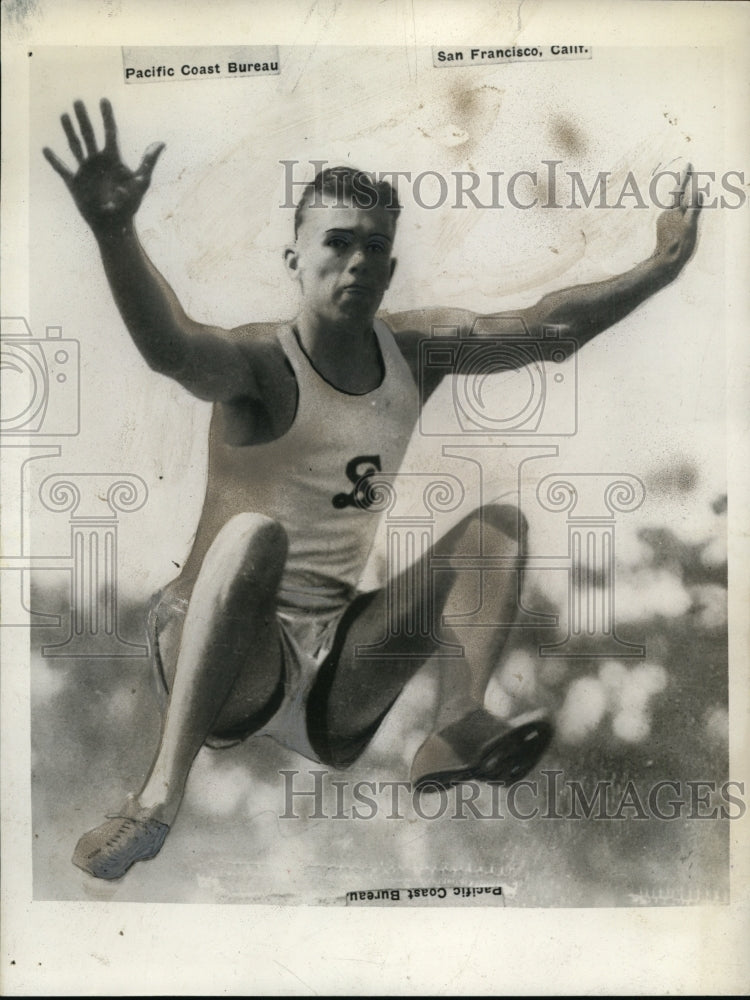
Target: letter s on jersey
358, 471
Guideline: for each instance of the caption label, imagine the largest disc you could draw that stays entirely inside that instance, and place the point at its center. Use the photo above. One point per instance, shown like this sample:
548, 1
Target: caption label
444, 895
482, 55
168, 64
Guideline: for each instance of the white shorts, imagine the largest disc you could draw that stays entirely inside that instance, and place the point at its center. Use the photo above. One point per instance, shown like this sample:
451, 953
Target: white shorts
306, 638
307, 641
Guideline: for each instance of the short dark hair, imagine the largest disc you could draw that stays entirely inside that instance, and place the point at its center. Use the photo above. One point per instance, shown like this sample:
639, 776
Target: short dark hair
347, 184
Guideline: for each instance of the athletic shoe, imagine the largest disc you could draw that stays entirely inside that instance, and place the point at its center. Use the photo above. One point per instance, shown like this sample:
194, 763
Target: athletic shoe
112, 848
479, 746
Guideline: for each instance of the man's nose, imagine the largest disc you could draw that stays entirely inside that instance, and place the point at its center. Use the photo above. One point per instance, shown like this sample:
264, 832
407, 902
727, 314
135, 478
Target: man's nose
358, 259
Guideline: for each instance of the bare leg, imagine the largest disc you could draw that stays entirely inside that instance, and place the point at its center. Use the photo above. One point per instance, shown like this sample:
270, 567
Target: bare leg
361, 690
229, 666
229, 660
464, 679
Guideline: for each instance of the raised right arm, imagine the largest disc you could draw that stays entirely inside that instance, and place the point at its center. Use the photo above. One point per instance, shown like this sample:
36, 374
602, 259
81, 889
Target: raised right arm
204, 359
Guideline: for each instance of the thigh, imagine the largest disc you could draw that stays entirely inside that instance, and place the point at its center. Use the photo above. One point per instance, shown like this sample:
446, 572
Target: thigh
399, 628
375, 653
259, 686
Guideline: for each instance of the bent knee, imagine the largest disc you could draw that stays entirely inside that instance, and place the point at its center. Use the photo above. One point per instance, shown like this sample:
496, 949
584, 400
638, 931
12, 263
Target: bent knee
251, 533
250, 546
506, 518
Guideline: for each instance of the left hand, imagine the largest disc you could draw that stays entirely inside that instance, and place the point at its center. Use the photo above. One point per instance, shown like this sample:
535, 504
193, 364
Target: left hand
677, 227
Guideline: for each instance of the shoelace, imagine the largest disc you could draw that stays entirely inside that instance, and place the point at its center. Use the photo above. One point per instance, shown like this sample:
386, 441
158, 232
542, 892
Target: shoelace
125, 829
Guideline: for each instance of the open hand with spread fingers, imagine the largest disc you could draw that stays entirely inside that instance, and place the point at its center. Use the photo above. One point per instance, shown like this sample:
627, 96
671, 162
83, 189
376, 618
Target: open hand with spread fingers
106, 192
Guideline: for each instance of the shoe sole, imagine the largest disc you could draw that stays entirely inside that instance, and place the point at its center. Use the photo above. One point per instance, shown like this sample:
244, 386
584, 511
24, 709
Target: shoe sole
506, 759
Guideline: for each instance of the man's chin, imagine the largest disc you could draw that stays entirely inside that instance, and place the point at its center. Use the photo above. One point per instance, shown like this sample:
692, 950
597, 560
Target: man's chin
358, 307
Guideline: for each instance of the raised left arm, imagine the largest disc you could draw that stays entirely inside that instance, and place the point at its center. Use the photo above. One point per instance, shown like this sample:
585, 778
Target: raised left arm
586, 310
581, 311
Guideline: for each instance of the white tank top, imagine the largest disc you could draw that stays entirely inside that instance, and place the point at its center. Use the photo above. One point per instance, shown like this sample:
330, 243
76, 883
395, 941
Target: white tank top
306, 478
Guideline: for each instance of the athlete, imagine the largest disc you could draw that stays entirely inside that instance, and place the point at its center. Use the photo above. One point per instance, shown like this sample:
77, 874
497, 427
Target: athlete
262, 631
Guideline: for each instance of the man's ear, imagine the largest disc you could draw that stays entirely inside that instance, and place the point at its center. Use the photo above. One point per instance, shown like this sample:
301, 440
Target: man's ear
291, 260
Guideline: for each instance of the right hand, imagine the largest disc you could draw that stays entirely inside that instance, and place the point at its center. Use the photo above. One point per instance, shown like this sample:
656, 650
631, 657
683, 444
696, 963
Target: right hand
106, 192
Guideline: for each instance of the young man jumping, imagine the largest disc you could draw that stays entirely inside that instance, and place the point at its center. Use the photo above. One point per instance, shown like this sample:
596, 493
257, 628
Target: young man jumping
260, 631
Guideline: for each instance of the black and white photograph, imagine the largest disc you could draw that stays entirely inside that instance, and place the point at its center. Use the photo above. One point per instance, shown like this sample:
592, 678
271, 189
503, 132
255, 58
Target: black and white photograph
374, 442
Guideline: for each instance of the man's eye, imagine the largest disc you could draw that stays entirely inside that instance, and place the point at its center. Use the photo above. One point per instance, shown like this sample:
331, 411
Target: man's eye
337, 242
377, 248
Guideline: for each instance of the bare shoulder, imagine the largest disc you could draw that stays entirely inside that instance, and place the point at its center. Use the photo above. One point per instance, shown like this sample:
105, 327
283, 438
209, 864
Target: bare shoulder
412, 327
257, 337
449, 321
260, 346
428, 322
268, 411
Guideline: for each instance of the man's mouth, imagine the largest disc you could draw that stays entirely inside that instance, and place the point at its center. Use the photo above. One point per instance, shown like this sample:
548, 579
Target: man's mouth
357, 289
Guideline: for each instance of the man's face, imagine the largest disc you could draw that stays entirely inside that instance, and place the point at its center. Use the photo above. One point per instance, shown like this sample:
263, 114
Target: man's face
342, 259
